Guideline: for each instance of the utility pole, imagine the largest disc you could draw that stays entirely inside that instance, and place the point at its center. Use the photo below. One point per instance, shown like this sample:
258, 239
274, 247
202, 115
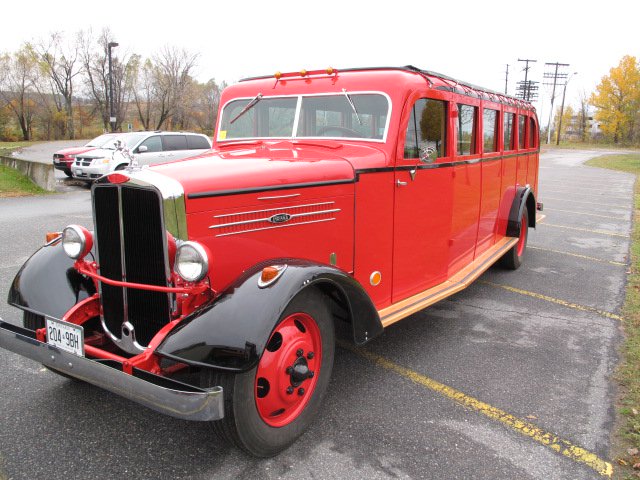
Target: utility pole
527, 89
564, 92
555, 76
112, 118
506, 79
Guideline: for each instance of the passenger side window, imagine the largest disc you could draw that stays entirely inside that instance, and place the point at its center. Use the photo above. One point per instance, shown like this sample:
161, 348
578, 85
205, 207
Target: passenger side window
522, 122
174, 142
532, 133
508, 131
426, 132
196, 142
466, 129
490, 130
153, 144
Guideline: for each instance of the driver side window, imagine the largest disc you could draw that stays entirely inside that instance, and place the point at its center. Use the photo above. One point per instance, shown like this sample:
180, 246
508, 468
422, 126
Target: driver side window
426, 132
153, 144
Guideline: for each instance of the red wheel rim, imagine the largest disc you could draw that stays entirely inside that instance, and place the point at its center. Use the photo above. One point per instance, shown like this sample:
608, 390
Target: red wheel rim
288, 370
523, 236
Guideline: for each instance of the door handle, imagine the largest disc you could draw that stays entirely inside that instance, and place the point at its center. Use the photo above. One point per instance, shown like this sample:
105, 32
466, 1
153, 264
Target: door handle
400, 183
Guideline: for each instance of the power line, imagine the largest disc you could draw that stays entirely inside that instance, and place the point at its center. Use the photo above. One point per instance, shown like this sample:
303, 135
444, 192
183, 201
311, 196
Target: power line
527, 89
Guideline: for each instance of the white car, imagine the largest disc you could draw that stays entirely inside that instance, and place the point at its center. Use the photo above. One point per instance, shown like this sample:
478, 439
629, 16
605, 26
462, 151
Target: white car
147, 147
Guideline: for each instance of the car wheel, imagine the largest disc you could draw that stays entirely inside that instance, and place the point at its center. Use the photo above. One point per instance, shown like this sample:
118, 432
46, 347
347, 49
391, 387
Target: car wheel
268, 407
514, 257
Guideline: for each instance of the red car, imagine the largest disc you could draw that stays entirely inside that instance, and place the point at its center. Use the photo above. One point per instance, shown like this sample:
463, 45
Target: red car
63, 159
332, 203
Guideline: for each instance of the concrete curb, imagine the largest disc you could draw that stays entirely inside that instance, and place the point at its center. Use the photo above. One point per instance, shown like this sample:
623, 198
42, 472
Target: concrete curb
42, 174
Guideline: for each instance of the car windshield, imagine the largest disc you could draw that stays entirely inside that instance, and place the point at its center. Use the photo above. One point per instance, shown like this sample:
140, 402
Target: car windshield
100, 141
129, 139
353, 115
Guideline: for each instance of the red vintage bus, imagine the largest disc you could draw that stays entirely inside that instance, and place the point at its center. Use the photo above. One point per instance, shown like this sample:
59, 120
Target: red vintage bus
357, 196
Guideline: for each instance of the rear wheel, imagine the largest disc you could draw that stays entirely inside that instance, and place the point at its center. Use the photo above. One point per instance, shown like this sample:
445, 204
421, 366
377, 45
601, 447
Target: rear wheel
514, 257
271, 405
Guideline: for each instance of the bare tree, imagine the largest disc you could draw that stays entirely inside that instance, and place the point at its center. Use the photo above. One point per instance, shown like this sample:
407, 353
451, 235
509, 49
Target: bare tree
143, 89
17, 74
204, 111
60, 63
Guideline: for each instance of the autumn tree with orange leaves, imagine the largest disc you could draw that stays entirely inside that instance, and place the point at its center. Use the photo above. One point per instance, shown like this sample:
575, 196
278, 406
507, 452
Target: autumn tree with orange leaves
617, 100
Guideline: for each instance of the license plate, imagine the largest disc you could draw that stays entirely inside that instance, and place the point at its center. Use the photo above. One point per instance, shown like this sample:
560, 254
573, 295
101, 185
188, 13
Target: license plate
65, 336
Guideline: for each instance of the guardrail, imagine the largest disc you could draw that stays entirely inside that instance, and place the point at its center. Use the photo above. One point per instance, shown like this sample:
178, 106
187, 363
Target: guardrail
42, 174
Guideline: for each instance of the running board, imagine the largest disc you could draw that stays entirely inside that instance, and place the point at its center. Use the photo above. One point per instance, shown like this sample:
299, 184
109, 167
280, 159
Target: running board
456, 283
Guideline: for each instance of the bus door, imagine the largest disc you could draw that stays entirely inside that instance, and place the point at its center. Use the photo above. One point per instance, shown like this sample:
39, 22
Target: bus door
423, 202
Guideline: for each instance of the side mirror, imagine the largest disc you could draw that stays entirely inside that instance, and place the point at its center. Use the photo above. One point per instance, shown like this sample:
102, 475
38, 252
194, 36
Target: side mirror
142, 148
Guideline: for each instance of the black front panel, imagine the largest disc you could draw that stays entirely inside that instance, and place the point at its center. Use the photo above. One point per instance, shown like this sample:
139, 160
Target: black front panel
142, 261
106, 204
144, 241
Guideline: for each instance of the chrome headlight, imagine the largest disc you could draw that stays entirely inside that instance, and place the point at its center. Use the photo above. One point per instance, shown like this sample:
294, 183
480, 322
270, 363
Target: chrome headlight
76, 241
192, 262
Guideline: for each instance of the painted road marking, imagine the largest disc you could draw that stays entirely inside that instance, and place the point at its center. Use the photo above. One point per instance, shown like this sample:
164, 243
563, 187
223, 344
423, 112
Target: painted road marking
564, 303
528, 429
610, 217
590, 203
591, 193
586, 257
599, 232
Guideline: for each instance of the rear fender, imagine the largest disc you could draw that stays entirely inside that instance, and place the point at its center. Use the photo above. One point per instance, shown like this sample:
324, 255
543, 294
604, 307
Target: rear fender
524, 199
231, 332
47, 283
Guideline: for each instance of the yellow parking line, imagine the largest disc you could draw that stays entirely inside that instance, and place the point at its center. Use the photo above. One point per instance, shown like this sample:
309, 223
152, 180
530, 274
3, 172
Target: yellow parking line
588, 203
600, 232
575, 306
586, 257
528, 429
610, 217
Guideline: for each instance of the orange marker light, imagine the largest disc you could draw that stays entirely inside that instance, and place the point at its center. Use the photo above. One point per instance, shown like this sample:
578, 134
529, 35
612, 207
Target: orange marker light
268, 274
329, 71
375, 278
277, 75
303, 73
51, 236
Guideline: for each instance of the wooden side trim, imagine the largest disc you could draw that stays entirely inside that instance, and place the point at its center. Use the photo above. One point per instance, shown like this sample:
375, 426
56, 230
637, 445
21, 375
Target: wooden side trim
459, 281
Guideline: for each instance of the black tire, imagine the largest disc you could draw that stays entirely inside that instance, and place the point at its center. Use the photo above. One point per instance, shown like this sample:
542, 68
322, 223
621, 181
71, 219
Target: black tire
515, 256
243, 424
33, 321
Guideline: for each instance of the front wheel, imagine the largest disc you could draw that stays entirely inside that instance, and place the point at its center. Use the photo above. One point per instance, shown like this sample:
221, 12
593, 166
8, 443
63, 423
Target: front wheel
271, 405
514, 257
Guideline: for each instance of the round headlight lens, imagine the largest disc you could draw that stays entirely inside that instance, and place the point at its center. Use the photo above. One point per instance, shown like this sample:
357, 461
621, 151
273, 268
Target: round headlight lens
192, 263
73, 241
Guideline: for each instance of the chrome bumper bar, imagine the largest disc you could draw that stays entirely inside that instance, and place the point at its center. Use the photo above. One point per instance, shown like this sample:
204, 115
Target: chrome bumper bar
153, 391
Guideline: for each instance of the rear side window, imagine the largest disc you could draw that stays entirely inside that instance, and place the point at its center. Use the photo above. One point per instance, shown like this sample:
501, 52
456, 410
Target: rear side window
196, 142
490, 130
522, 122
508, 131
466, 129
426, 132
153, 144
174, 142
532, 133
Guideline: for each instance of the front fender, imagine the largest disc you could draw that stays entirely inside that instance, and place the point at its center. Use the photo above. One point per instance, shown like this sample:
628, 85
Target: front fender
47, 283
524, 199
231, 333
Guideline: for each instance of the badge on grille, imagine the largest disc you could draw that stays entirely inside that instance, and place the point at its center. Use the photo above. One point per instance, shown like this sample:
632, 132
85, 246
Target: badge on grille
280, 218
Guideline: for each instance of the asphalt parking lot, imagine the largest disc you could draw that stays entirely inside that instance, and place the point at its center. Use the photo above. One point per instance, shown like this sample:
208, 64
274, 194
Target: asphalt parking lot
510, 378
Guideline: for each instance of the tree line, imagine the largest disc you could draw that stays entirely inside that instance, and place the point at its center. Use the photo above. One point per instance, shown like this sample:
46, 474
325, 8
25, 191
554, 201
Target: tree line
58, 88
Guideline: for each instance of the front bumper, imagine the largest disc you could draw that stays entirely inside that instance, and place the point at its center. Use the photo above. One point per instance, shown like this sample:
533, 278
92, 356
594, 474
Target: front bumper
89, 172
161, 394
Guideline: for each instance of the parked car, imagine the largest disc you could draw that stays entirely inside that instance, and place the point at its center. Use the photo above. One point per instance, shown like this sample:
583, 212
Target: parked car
147, 147
63, 159
333, 202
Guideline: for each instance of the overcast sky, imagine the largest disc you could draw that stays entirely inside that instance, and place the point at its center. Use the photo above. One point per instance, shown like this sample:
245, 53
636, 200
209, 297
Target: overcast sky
469, 40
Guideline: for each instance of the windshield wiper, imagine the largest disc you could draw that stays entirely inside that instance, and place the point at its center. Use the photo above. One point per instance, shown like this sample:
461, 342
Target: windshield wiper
353, 107
247, 107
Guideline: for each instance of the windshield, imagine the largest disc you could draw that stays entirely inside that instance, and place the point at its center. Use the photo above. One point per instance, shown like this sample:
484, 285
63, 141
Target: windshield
329, 116
129, 139
101, 140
